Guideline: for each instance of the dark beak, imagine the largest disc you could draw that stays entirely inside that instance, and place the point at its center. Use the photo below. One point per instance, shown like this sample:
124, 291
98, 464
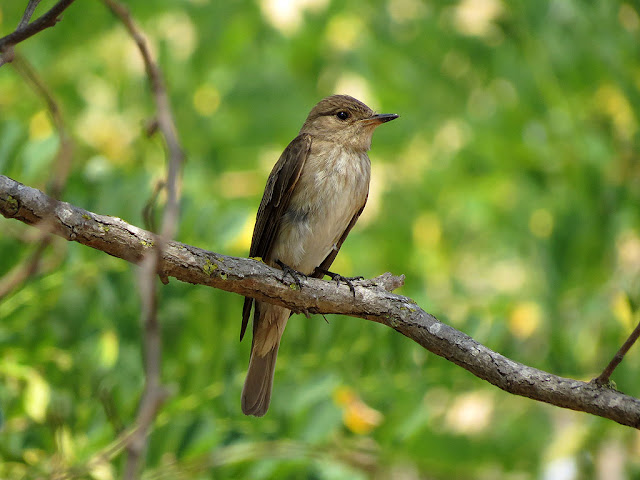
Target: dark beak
381, 118
385, 117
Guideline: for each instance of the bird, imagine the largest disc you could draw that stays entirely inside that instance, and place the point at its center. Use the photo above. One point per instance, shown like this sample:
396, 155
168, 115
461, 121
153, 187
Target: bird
313, 198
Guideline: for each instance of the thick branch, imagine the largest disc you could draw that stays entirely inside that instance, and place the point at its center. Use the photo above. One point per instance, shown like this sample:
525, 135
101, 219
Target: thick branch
373, 302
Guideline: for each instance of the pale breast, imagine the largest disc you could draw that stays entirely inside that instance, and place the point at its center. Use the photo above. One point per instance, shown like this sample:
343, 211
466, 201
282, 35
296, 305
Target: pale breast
332, 188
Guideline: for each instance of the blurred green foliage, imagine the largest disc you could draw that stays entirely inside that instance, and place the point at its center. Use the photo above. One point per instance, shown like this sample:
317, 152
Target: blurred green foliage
508, 193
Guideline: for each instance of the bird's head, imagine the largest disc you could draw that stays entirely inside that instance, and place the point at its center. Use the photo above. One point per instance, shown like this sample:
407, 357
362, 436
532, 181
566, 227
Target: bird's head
344, 120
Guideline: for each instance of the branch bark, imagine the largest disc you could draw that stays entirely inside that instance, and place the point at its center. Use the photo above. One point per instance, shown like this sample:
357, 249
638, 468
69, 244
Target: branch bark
373, 300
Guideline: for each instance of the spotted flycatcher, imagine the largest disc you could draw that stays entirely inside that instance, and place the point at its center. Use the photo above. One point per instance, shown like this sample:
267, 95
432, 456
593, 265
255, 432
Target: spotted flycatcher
314, 196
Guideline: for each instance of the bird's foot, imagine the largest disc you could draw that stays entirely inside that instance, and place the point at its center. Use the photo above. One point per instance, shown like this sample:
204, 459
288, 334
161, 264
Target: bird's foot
295, 274
339, 278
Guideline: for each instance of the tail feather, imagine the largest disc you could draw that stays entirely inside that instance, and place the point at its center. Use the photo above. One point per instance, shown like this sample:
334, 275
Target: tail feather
256, 393
269, 322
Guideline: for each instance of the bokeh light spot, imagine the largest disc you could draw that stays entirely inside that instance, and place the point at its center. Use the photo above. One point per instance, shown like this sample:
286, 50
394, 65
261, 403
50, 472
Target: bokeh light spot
406, 10
470, 413
476, 17
179, 32
612, 102
621, 308
628, 248
344, 31
206, 100
356, 86
628, 17
541, 223
287, 15
427, 231
40, 126
525, 319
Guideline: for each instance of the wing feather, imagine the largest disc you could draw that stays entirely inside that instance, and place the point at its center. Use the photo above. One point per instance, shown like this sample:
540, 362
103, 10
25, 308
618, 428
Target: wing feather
275, 201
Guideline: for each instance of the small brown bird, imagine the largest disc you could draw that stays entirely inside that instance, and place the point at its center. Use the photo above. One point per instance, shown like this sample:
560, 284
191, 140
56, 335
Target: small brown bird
313, 197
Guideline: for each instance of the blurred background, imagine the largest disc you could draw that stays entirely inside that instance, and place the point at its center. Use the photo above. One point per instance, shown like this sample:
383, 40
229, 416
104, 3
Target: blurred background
508, 193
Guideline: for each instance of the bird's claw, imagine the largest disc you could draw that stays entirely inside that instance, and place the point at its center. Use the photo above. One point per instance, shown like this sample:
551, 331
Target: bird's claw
287, 270
346, 280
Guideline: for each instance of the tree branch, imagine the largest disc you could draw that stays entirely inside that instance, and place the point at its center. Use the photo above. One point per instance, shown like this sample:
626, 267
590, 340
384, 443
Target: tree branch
373, 300
23, 32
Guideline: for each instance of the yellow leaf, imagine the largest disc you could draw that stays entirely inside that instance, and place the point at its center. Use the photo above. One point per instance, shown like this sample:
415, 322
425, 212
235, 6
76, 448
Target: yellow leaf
33, 456
108, 348
357, 415
102, 471
343, 395
65, 443
360, 418
36, 397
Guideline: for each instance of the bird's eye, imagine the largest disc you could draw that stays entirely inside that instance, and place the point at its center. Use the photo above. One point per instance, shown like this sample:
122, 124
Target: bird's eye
342, 115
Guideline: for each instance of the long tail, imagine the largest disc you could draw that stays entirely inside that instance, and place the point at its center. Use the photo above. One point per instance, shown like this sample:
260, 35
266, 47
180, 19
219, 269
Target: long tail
267, 333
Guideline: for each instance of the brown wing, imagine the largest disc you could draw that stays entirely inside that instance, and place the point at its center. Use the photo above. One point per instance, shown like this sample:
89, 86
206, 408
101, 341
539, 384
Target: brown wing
277, 194
326, 263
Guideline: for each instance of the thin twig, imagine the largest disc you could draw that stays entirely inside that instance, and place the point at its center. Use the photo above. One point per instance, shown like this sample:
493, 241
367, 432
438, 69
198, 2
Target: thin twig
360, 456
62, 163
19, 274
101, 457
9, 54
604, 377
149, 210
47, 20
154, 394
164, 117
28, 13
59, 173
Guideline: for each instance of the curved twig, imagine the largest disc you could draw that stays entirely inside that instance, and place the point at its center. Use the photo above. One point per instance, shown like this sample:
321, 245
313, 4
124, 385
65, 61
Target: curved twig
603, 378
154, 393
57, 179
23, 31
